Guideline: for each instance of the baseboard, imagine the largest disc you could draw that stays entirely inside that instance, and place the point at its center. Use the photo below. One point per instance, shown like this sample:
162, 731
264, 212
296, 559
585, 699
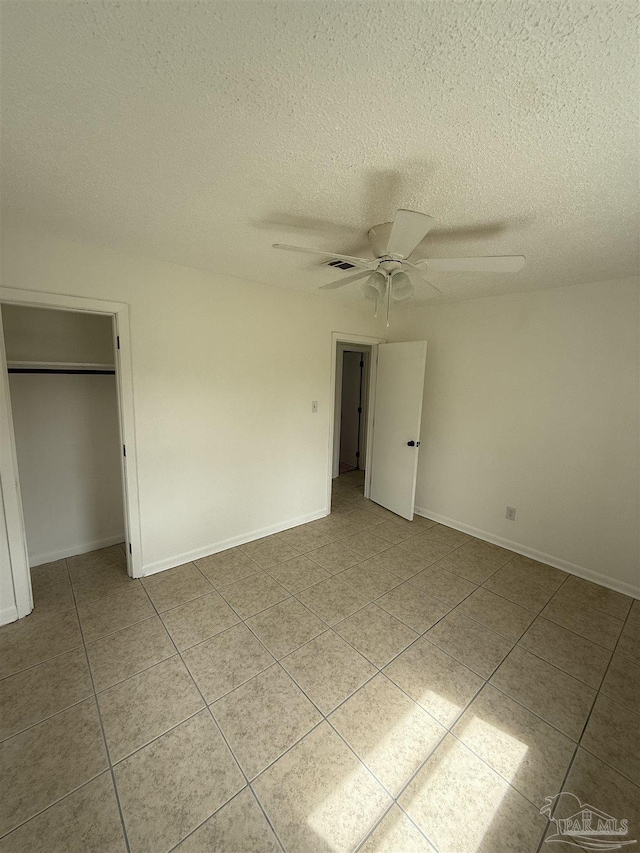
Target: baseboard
549, 559
84, 548
8, 614
196, 554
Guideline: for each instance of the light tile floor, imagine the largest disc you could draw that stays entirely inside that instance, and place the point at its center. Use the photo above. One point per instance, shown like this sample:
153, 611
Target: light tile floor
360, 682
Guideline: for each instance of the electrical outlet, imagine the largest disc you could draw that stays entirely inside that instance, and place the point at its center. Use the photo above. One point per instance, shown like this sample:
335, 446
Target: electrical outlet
314, 406
511, 513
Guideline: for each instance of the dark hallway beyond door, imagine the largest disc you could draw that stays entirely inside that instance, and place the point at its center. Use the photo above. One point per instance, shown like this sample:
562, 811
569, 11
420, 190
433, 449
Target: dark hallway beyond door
351, 413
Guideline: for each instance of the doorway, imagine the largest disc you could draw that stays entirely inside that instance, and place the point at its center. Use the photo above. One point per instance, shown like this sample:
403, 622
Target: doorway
353, 373
353, 409
385, 429
66, 386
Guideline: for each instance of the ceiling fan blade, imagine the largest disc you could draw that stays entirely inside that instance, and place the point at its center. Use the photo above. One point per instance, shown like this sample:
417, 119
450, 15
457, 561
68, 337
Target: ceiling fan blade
363, 263
416, 273
499, 263
409, 228
341, 281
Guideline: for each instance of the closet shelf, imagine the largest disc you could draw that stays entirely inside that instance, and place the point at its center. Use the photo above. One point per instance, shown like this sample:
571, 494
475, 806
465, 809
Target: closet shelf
59, 367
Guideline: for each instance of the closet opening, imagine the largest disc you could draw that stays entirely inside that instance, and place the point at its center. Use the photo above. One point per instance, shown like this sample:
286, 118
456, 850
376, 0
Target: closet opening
64, 402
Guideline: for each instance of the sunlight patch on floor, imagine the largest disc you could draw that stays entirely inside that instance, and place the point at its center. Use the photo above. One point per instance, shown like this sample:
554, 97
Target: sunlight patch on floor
457, 798
455, 792
512, 751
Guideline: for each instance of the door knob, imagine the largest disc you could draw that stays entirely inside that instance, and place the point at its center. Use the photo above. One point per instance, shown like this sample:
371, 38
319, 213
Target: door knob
411, 444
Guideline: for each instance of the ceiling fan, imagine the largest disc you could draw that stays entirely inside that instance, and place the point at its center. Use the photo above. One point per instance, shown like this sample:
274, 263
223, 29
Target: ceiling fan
389, 273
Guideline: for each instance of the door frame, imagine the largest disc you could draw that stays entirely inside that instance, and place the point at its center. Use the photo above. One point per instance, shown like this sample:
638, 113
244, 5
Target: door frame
352, 340
9, 475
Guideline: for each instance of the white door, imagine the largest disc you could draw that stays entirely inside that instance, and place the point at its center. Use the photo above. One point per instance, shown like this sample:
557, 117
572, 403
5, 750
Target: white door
396, 426
12, 531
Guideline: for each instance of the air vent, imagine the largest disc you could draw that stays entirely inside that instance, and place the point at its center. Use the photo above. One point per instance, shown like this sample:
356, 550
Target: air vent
341, 265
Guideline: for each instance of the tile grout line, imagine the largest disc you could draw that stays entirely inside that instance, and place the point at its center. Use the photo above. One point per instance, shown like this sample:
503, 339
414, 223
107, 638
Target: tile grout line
222, 735
599, 693
277, 661
486, 681
258, 803
448, 729
372, 831
530, 710
575, 633
102, 729
564, 671
49, 716
157, 737
325, 716
607, 763
380, 670
324, 719
55, 802
336, 574
584, 728
376, 824
46, 660
332, 626
596, 690
539, 613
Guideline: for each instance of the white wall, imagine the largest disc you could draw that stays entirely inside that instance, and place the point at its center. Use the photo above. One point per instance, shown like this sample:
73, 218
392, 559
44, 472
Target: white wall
532, 401
68, 446
224, 372
43, 334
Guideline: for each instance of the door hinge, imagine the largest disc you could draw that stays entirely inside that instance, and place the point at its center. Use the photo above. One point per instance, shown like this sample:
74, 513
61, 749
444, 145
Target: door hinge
357, 454
124, 449
130, 551
362, 364
359, 410
118, 341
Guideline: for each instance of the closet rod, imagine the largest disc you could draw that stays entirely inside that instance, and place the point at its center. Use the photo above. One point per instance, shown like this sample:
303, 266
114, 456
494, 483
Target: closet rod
55, 370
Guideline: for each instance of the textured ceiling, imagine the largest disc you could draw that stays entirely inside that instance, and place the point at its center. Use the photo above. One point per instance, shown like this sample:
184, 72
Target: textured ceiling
202, 132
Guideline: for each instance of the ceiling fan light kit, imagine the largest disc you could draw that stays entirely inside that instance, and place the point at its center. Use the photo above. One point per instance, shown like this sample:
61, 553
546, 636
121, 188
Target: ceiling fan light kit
401, 287
389, 275
375, 286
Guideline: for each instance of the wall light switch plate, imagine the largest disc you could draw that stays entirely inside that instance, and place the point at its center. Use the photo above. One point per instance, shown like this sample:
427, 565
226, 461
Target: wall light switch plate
314, 405
511, 513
